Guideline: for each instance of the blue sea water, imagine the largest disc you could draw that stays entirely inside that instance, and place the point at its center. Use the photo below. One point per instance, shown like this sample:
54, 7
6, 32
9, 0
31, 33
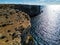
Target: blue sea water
46, 26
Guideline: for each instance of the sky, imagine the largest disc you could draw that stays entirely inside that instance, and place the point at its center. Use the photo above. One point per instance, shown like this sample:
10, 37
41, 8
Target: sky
32, 2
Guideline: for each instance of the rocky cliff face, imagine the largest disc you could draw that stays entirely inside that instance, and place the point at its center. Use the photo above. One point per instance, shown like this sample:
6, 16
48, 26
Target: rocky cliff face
14, 26
32, 10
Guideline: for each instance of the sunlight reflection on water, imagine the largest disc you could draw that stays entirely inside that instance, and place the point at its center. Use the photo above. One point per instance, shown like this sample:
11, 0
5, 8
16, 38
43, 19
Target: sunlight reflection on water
46, 27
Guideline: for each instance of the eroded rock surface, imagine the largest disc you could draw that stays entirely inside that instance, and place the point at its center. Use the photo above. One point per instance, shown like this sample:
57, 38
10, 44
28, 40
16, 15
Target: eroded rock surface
14, 27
